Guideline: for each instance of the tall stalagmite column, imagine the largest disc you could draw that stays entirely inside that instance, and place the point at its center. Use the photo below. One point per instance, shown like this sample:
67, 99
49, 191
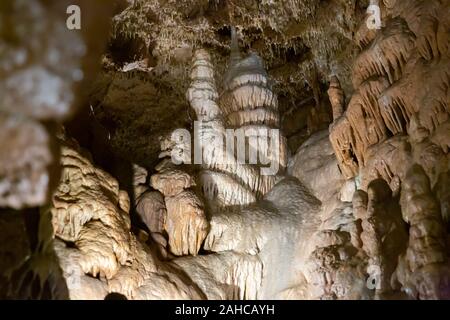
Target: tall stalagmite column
248, 108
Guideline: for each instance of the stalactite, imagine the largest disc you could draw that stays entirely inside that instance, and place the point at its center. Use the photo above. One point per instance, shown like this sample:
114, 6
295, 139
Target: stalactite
411, 95
428, 22
363, 113
387, 55
388, 77
345, 145
364, 36
337, 99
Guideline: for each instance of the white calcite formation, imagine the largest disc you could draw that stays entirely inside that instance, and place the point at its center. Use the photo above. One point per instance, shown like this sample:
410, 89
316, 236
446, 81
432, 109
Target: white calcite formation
346, 243
98, 253
248, 104
185, 220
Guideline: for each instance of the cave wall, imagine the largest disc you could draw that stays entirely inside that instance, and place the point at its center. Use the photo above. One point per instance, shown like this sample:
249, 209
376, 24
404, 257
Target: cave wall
46, 70
396, 128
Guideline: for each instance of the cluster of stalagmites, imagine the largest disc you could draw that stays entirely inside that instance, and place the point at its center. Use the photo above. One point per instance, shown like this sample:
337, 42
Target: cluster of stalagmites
93, 241
399, 115
185, 221
247, 104
226, 183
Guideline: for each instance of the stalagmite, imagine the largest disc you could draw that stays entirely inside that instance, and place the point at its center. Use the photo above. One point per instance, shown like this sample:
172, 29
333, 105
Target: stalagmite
186, 223
337, 99
90, 216
424, 272
384, 235
425, 19
247, 104
176, 210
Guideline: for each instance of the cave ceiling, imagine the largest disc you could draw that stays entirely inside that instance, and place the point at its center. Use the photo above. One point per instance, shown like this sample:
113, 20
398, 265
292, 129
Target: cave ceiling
140, 94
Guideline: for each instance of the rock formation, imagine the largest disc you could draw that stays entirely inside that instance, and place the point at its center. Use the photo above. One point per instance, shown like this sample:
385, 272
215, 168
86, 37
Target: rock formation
225, 150
185, 220
250, 109
390, 124
423, 271
99, 254
389, 93
44, 68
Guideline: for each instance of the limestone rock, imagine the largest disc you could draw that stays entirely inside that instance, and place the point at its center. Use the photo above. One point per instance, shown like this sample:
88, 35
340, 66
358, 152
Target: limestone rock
90, 211
171, 182
27, 162
151, 208
186, 223
139, 180
424, 270
316, 166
